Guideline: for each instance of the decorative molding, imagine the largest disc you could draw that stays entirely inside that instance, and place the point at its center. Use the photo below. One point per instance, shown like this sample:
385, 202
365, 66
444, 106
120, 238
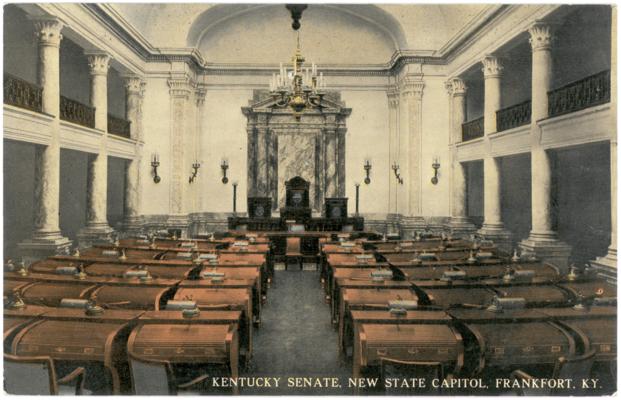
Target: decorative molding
134, 84
458, 87
492, 67
98, 62
47, 30
180, 87
27, 126
541, 36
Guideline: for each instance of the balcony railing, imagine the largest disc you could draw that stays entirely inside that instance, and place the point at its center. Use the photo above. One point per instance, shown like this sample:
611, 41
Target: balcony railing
118, 126
472, 129
579, 95
23, 94
76, 112
514, 116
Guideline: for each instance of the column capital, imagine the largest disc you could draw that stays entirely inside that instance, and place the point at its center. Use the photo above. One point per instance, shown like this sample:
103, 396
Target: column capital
541, 36
98, 62
458, 87
492, 67
47, 30
412, 88
200, 94
134, 84
180, 87
393, 96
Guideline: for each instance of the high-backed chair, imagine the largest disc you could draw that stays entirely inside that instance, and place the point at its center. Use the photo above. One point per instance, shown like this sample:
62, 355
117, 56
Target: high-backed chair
37, 376
391, 368
293, 251
575, 368
152, 377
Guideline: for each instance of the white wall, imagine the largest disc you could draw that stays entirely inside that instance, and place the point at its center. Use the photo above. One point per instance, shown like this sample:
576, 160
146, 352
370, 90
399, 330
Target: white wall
20, 48
367, 138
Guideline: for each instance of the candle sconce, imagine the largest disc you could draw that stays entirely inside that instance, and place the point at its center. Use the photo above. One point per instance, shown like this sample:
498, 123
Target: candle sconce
195, 167
224, 165
155, 162
395, 168
436, 167
367, 169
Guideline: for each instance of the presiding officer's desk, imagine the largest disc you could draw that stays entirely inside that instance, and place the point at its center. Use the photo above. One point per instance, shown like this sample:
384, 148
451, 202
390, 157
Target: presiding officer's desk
208, 338
69, 335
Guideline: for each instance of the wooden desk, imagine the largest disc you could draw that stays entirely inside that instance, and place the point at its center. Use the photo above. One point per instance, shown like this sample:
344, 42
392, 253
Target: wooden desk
212, 337
15, 319
420, 342
51, 293
135, 295
367, 299
591, 288
224, 299
537, 295
69, 335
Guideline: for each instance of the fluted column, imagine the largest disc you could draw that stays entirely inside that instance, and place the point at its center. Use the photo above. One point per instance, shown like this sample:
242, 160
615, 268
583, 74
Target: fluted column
97, 228
133, 113
493, 227
542, 240
459, 222
331, 160
262, 156
46, 238
393, 143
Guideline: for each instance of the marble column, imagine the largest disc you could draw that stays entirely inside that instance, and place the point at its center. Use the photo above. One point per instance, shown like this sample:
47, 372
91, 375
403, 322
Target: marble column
331, 159
542, 241
262, 156
459, 223
97, 229
393, 143
133, 113
493, 228
47, 238
414, 221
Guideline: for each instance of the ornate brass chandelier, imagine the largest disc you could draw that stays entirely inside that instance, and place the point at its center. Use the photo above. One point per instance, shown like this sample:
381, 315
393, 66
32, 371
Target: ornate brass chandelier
299, 88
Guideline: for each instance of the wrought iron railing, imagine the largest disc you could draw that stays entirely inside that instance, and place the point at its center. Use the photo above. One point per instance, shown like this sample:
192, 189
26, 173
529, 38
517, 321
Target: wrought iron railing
514, 116
587, 92
76, 112
472, 129
118, 126
23, 94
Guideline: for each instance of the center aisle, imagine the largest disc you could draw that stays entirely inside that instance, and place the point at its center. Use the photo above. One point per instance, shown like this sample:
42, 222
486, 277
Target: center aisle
296, 337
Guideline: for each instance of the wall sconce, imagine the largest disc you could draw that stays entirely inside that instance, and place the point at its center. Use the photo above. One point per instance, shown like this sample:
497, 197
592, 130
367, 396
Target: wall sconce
224, 165
367, 169
195, 167
234, 197
155, 162
395, 168
436, 167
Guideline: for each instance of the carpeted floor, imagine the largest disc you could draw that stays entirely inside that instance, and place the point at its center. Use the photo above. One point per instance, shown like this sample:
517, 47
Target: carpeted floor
296, 338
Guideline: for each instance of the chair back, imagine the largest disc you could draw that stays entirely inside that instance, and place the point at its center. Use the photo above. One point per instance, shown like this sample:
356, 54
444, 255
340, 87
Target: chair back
293, 246
29, 375
398, 369
150, 377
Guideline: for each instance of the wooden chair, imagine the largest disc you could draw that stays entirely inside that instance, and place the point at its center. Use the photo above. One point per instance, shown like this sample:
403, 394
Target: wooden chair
391, 368
293, 251
572, 367
154, 377
37, 376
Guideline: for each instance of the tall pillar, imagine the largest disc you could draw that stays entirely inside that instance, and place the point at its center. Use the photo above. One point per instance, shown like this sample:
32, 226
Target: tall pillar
459, 223
262, 156
97, 229
331, 156
493, 228
133, 113
542, 240
607, 265
46, 238
393, 143
413, 221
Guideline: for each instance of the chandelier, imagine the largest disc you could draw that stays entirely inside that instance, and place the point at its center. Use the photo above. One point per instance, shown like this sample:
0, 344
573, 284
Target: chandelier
299, 88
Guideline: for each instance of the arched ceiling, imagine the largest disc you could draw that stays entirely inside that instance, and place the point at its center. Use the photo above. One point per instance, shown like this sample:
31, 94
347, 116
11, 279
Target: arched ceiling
360, 33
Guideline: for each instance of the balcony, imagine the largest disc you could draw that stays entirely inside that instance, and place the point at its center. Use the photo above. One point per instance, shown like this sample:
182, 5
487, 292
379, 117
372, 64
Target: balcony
23, 94
585, 93
472, 129
118, 126
76, 112
514, 116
